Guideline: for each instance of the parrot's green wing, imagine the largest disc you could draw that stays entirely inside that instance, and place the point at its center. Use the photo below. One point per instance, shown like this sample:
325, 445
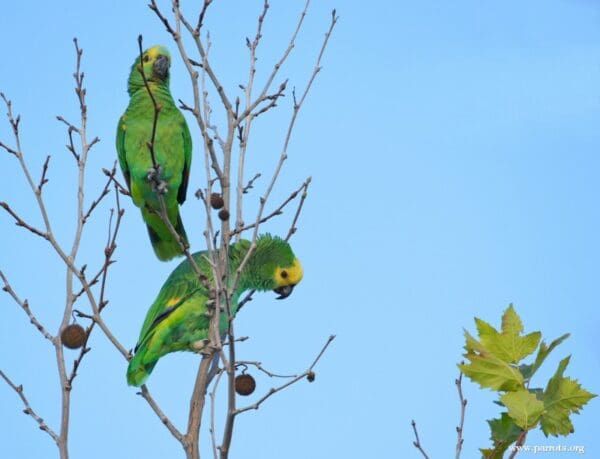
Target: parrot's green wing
187, 150
183, 326
176, 291
177, 321
121, 150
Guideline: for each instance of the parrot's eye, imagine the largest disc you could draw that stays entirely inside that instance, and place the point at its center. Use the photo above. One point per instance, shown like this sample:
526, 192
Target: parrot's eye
284, 273
146, 58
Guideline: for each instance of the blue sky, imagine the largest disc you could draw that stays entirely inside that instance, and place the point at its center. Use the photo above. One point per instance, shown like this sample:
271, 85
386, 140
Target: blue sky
454, 153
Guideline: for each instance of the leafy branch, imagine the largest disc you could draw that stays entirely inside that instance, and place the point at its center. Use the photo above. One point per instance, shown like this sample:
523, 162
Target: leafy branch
496, 362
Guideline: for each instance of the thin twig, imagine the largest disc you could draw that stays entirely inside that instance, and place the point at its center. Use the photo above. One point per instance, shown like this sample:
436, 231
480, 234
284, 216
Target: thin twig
43, 179
105, 191
463, 406
103, 273
258, 366
145, 394
250, 183
157, 109
293, 227
120, 187
274, 390
22, 223
244, 132
18, 152
248, 297
292, 43
67, 257
276, 212
28, 410
201, 16
25, 306
202, 51
417, 442
283, 156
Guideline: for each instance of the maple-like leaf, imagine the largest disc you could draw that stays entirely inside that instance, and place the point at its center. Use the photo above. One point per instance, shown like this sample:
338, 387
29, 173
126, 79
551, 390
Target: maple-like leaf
523, 407
494, 362
529, 370
562, 397
488, 370
508, 344
504, 432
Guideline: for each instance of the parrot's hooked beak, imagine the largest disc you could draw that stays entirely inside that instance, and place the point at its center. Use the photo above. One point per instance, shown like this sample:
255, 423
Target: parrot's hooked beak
161, 67
284, 291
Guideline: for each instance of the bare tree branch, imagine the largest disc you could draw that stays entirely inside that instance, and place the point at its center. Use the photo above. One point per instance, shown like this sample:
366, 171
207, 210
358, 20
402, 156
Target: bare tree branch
251, 107
43, 179
20, 222
296, 110
103, 273
161, 415
224, 281
259, 366
105, 191
68, 257
190, 443
417, 442
274, 390
303, 197
25, 306
277, 211
121, 188
28, 410
213, 436
244, 132
250, 183
463, 406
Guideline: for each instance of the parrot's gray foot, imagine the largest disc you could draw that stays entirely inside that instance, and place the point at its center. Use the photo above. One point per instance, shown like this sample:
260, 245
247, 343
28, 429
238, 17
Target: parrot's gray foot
203, 347
154, 177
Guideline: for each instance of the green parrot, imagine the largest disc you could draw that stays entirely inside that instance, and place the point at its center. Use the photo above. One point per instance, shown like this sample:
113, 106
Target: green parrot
172, 149
177, 320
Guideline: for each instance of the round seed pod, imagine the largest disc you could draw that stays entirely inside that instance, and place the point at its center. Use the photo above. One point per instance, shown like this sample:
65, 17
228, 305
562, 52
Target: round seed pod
216, 201
73, 336
310, 377
244, 384
224, 214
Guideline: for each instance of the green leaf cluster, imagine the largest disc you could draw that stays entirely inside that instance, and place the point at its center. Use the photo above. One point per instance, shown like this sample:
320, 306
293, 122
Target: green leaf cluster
494, 361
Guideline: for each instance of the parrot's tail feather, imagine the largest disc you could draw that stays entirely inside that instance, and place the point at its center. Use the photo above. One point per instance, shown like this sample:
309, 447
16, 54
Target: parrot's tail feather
164, 244
138, 372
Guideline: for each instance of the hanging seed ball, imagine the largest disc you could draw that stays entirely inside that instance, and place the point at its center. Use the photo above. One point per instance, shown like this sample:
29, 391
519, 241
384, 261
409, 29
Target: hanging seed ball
244, 384
73, 336
310, 377
216, 201
224, 214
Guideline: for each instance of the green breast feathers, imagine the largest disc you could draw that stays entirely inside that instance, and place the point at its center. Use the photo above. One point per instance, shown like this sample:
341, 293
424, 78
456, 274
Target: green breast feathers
172, 150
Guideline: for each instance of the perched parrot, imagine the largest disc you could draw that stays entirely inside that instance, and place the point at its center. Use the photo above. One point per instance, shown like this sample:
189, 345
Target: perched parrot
177, 320
172, 149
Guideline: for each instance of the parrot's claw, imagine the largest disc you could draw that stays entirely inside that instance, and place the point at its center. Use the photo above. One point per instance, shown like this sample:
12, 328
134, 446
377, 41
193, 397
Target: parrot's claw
154, 177
162, 187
